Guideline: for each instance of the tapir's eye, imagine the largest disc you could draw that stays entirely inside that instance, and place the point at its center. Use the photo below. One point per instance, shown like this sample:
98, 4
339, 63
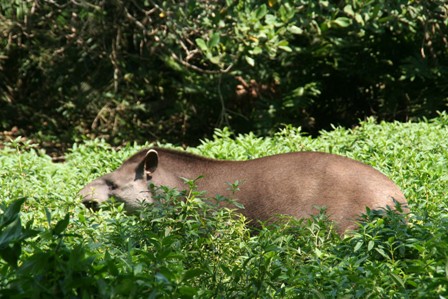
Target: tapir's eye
111, 185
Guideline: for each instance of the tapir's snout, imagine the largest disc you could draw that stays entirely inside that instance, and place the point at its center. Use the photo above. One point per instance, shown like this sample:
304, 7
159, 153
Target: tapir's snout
93, 195
89, 201
91, 204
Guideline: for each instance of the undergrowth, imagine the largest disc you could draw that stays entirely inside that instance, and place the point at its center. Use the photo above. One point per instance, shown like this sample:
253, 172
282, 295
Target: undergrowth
51, 247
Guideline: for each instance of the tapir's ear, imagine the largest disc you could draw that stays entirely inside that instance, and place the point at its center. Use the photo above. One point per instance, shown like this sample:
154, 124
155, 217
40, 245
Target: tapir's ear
151, 161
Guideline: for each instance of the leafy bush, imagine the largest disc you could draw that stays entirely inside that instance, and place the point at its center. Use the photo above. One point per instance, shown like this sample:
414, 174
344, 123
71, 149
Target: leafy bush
54, 247
175, 70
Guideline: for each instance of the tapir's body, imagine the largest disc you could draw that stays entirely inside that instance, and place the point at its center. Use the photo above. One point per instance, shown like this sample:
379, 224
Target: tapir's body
292, 184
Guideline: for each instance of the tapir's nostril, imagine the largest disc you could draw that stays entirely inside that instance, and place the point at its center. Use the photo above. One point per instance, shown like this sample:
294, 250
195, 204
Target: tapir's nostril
91, 204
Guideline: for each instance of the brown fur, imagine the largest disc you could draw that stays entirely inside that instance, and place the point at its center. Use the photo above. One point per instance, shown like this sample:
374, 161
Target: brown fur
292, 184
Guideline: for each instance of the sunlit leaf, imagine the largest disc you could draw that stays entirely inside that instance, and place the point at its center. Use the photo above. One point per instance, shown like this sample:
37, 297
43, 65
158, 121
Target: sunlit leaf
250, 60
201, 44
295, 30
214, 40
341, 22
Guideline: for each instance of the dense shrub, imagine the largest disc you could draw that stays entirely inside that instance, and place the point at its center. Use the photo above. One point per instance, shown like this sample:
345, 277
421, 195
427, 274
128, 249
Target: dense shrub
54, 247
175, 70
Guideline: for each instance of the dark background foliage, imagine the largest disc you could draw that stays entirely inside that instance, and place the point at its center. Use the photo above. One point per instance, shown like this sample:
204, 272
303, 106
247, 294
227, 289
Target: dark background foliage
174, 70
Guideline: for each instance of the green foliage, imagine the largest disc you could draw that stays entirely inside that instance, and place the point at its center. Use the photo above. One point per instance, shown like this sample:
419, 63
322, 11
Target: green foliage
175, 70
184, 246
12, 234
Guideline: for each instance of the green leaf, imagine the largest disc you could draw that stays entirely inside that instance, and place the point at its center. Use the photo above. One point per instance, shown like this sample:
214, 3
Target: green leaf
370, 245
381, 251
48, 216
358, 246
188, 292
257, 50
295, 30
250, 60
61, 225
359, 19
318, 294
285, 48
341, 22
201, 44
11, 232
398, 279
348, 9
214, 40
238, 204
194, 273
284, 45
11, 254
261, 11
215, 59
226, 270
165, 275
11, 211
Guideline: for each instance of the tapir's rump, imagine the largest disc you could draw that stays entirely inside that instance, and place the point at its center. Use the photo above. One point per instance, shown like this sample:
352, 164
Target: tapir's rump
292, 184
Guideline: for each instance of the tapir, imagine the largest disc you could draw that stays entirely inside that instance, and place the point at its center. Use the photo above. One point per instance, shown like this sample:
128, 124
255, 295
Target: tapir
293, 184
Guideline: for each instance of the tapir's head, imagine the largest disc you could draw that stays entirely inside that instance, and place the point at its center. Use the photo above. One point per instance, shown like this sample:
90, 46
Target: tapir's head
127, 184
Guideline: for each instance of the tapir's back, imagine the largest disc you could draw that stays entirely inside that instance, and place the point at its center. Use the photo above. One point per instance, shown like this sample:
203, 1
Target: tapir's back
298, 184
